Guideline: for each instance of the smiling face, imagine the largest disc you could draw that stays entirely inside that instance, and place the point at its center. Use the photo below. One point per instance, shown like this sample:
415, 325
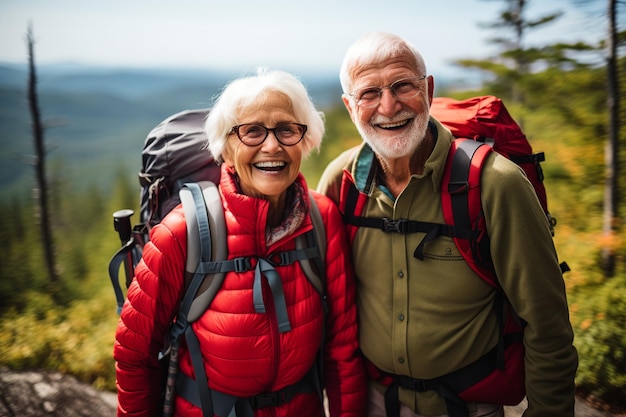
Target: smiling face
266, 170
394, 128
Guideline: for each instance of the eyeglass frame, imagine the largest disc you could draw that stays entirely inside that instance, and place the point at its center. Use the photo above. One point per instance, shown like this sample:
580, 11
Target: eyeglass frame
389, 87
235, 130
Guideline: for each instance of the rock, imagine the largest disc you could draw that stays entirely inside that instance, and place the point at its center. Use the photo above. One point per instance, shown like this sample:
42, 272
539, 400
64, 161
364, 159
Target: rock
51, 394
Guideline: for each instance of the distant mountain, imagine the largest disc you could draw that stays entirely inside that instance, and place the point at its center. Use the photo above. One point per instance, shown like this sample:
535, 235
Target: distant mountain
138, 83
98, 118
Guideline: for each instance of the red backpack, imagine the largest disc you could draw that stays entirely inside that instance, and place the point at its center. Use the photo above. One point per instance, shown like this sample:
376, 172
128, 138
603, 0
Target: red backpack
481, 125
486, 121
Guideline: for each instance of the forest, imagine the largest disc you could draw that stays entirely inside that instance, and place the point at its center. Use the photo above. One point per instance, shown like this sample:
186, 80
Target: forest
66, 320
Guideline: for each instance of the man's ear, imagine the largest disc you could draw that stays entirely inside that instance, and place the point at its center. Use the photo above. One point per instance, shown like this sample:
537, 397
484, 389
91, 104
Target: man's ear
348, 104
431, 89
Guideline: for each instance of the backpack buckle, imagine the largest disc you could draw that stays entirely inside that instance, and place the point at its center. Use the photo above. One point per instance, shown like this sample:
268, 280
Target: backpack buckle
398, 226
242, 264
270, 399
287, 258
417, 385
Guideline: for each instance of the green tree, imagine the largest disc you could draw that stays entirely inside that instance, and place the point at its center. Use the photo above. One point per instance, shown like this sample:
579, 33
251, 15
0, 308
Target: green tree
516, 61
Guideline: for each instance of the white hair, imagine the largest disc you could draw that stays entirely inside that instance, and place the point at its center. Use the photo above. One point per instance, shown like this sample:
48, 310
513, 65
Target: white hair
242, 94
374, 48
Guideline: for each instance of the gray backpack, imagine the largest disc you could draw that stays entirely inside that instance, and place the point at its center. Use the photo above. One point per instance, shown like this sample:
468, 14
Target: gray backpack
174, 153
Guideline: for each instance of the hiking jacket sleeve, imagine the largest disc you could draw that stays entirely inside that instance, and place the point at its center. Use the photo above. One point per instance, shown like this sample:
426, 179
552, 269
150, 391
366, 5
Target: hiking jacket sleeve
344, 372
527, 267
144, 321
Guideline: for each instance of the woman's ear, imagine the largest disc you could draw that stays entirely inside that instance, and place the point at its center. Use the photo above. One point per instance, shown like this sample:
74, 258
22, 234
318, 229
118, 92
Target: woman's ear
227, 154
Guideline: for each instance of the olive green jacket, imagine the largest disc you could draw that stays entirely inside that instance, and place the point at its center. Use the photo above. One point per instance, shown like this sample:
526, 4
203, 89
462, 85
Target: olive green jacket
427, 318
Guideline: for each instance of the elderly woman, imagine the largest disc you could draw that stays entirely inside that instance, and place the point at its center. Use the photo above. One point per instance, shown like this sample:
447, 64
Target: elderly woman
260, 128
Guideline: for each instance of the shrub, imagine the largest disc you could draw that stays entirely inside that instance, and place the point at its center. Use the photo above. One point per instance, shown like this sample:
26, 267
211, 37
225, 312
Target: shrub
600, 330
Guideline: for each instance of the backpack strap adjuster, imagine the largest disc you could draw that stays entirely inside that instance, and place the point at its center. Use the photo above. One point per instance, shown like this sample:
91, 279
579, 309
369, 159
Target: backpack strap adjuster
242, 264
282, 258
398, 226
456, 187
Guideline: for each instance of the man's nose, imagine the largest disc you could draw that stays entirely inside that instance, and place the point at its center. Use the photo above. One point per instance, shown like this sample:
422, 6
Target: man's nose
389, 103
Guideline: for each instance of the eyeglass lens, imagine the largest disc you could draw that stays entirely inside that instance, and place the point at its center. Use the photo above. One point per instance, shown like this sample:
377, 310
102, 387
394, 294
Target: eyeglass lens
402, 89
254, 134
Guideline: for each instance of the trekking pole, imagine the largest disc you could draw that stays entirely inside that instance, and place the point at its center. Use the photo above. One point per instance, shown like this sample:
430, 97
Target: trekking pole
121, 224
170, 383
127, 254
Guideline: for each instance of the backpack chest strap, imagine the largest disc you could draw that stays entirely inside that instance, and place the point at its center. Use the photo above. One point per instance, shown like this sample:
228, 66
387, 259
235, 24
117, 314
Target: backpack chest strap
431, 230
263, 270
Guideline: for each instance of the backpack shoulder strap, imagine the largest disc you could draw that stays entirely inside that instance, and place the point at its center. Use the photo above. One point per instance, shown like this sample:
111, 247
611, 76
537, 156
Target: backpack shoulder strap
318, 225
206, 242
314, 267
462, 206
203, 213
351, 204
461, 203
315, 270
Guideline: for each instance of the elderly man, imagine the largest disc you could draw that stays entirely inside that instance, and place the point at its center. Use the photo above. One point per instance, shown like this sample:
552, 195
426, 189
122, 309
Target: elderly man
423, 321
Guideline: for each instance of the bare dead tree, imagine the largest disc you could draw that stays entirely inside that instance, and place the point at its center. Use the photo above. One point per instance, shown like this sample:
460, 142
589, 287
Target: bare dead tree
40, 160
611, 187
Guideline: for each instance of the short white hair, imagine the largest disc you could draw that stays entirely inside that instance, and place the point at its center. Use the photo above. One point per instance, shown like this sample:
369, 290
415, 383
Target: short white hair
243, 93
374, 48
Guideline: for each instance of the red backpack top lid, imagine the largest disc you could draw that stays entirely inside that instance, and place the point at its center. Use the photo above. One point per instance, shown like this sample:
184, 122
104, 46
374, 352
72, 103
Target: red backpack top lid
482, 117
486, 119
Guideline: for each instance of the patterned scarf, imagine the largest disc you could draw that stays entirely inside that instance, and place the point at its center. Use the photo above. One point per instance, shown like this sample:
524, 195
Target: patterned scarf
295, 213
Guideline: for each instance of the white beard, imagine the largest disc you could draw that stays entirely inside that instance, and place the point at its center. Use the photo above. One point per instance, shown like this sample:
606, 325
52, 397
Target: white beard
401, 145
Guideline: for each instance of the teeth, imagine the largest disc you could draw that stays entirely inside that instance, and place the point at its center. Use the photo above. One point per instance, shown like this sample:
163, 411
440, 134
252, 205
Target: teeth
392, 125
270, 164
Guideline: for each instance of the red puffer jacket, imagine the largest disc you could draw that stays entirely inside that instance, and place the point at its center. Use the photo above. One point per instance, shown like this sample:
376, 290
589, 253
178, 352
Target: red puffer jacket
243, 351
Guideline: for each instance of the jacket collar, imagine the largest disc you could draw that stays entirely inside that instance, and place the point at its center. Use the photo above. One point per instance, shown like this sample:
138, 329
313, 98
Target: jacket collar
365, 166
251, 212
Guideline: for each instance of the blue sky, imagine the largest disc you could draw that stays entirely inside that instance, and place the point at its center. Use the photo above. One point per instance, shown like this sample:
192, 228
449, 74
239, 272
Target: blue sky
286, 34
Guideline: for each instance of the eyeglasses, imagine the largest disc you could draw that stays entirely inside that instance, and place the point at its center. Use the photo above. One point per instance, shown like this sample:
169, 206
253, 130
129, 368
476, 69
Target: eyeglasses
403, 89
253, 134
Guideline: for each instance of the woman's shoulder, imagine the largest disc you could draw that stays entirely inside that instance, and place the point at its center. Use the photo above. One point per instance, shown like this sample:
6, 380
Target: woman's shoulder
172, 230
